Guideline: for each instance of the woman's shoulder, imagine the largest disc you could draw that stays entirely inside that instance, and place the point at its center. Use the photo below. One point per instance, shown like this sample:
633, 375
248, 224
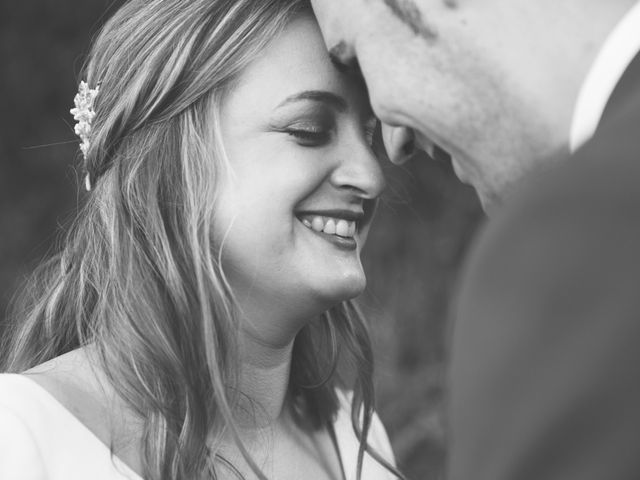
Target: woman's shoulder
22, 397
22, 424
20, 454
40, 438
49, 396
348, 442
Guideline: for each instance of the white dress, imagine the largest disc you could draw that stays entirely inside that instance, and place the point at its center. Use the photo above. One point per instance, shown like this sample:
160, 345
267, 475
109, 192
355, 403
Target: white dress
41, 440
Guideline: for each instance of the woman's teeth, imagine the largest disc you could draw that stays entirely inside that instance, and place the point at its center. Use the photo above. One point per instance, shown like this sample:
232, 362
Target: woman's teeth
331, 226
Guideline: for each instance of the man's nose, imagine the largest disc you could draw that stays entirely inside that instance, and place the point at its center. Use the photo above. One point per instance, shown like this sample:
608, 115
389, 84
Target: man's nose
359, 171
399, 143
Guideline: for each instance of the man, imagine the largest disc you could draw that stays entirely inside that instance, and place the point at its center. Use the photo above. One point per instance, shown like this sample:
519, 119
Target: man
538, 102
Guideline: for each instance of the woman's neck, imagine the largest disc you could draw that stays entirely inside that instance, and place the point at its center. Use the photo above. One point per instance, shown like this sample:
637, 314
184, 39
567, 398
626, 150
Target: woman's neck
264, 380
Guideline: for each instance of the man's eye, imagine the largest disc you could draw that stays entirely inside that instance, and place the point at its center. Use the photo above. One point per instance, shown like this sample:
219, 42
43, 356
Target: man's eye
370, 130
344, 59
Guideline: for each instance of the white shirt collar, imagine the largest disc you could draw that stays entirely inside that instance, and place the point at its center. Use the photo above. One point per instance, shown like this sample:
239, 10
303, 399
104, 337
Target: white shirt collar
615, 55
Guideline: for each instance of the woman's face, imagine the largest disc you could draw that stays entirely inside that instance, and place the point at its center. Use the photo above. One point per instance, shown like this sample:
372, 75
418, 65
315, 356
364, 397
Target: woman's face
293, 215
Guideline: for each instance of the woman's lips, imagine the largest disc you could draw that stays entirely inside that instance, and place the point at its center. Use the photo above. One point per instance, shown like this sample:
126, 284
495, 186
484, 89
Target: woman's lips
344, 243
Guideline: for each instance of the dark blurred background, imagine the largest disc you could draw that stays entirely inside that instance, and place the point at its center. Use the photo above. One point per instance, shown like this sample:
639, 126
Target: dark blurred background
422, 231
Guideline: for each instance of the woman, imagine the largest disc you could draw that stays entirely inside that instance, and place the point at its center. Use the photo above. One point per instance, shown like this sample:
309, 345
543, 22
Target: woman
191, 326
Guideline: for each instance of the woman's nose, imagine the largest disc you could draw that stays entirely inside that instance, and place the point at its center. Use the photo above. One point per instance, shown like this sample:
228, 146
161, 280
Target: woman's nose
359, 170
399, 143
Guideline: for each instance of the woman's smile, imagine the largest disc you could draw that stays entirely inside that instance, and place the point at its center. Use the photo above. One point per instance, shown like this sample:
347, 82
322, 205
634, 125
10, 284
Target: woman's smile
338, 227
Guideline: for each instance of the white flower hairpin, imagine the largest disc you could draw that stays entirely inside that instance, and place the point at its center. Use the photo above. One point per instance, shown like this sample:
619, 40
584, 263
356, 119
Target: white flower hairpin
83, 114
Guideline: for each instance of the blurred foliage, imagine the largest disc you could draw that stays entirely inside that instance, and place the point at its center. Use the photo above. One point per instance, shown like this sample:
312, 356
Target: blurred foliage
423, 225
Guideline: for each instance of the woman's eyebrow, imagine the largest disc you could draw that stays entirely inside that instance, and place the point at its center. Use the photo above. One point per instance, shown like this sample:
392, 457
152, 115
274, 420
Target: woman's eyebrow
321, 96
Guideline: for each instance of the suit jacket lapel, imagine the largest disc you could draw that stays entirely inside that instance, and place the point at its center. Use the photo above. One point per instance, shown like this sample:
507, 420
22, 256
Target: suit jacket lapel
628, 85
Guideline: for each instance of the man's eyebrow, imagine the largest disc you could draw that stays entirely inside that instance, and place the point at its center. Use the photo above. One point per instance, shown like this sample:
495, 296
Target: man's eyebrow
409, 14
321, 96
347, 65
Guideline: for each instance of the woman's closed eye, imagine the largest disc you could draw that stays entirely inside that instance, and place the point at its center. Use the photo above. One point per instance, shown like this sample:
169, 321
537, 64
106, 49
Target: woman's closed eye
310, 123
310, 134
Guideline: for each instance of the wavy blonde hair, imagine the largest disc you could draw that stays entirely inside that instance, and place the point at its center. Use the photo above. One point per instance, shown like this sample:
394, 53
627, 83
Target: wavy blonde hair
138, 275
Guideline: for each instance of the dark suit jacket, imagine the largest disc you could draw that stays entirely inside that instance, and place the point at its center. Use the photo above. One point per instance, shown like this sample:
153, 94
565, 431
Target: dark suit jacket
545, 354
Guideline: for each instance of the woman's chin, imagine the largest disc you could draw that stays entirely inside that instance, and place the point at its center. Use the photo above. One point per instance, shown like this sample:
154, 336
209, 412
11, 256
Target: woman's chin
341, 289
